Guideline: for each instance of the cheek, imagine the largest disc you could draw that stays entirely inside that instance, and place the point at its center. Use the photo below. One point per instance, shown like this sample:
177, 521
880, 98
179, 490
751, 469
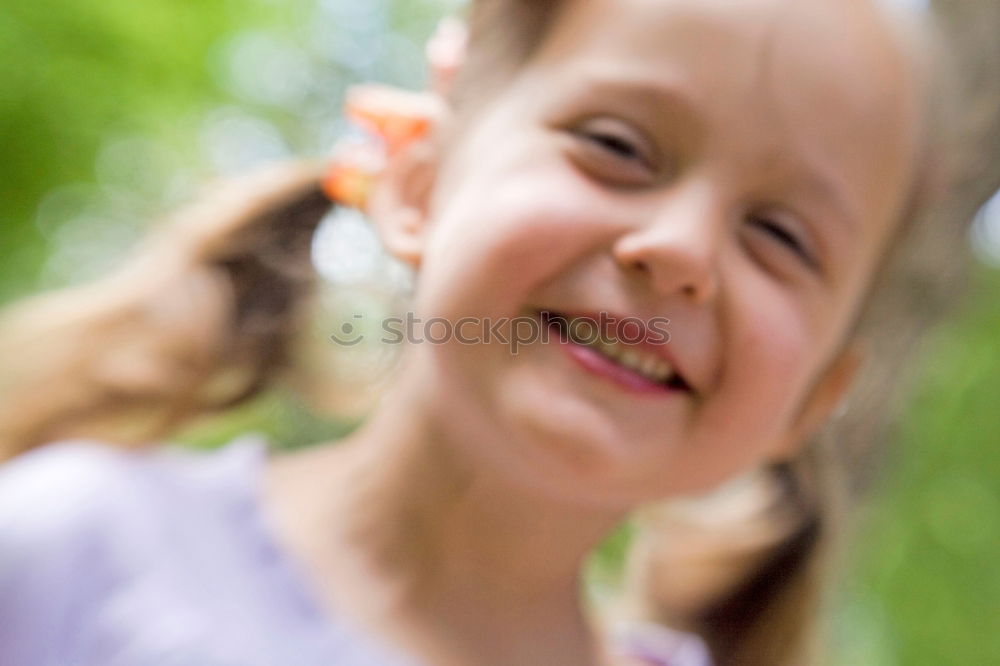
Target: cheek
503, 233
769, 347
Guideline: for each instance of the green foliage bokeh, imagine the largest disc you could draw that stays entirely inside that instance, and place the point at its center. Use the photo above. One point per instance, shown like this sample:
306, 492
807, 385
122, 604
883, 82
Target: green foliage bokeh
74, 72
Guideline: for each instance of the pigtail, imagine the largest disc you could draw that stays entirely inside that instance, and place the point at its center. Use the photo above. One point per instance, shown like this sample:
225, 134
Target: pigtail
200, 320
745, 567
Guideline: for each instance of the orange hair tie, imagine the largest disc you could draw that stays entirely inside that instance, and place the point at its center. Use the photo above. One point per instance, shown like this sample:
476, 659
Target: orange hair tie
392, 119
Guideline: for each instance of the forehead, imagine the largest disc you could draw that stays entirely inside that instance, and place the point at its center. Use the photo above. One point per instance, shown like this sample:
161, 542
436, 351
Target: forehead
830, 50
825, 80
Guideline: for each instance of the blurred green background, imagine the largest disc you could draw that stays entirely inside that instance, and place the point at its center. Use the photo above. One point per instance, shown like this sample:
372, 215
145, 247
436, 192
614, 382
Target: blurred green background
113, 112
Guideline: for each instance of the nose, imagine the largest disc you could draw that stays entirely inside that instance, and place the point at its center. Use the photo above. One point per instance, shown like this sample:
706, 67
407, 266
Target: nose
677, 248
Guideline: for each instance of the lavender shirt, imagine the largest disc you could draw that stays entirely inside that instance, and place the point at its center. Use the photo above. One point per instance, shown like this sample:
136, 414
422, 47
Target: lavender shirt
117, 558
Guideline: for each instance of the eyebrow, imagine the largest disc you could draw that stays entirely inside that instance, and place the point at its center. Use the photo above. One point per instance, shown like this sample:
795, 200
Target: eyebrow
817, 183
671, 98
672, 91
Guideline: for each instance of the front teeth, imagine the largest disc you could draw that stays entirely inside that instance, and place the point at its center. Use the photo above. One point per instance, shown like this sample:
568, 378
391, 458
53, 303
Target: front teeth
640, 362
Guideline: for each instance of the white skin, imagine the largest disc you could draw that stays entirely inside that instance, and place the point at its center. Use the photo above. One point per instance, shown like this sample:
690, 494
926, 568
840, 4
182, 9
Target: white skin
454, 523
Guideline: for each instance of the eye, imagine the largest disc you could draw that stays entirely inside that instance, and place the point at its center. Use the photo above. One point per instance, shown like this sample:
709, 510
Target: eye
613, 152
617, 138
615, 144
782, 232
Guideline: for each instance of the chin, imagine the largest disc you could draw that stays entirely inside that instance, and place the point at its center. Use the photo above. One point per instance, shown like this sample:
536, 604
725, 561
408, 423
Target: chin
566, 447
552, 435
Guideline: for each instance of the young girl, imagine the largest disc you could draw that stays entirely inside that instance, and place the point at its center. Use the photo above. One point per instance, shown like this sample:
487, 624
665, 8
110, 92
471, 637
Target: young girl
741, 169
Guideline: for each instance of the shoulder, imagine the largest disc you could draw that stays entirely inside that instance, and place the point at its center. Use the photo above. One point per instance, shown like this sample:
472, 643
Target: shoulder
80, 458
59, 489
67, 508
89, 531
57, 506
64, 492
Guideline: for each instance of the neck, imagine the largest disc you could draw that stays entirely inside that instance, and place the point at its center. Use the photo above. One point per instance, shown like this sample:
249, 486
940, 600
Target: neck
432, 533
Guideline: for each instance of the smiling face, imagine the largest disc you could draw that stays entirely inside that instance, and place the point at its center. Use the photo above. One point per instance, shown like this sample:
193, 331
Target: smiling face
734, 166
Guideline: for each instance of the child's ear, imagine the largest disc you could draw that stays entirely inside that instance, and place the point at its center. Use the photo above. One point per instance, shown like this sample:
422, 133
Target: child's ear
827, 394
401, 201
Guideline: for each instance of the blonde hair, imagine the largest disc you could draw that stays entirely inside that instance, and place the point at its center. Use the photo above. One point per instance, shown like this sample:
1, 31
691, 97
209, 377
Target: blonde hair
203, 317
198, 321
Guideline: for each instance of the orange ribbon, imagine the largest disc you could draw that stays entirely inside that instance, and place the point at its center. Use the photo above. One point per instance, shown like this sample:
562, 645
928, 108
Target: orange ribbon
391, 119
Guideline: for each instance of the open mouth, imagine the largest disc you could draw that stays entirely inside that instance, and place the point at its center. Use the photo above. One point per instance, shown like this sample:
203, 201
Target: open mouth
638, 360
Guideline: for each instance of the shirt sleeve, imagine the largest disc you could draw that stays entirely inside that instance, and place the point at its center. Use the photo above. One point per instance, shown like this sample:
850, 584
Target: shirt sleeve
55, 502
653, 644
